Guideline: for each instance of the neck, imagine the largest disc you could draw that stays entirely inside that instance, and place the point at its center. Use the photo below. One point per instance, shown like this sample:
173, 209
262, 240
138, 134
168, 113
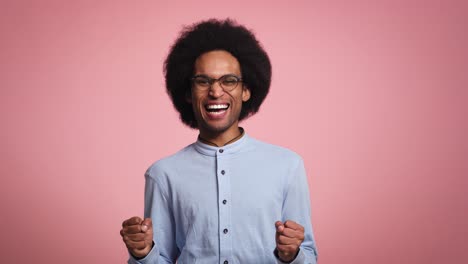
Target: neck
221, 139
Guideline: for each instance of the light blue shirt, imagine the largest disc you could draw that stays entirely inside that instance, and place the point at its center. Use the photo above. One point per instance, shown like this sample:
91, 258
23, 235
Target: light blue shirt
220, 204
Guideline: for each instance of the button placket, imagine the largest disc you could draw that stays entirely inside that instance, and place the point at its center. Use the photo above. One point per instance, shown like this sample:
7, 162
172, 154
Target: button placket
224, 209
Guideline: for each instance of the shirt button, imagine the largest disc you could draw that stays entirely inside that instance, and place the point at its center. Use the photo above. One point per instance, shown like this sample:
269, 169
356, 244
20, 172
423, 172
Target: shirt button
224, 201
225, 231
223, 172
221, 150
225, 262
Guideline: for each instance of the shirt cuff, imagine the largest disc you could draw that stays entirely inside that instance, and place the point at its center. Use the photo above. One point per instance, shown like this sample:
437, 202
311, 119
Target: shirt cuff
152, 255
300, 258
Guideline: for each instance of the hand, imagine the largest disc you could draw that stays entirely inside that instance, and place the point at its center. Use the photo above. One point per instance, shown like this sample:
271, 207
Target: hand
289, 237
138, 236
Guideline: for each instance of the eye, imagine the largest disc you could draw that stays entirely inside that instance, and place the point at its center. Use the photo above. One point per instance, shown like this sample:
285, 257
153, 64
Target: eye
229, 81
201, 81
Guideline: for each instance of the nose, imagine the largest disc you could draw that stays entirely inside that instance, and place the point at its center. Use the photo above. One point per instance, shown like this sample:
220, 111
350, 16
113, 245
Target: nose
216, 90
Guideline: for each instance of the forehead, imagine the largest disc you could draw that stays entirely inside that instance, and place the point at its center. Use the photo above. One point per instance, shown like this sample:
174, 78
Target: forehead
217, 63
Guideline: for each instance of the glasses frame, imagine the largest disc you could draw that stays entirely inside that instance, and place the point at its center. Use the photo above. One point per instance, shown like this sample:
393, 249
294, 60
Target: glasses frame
211, 81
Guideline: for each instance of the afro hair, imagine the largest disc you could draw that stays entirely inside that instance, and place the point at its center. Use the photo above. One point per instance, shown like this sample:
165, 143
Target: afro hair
211, 35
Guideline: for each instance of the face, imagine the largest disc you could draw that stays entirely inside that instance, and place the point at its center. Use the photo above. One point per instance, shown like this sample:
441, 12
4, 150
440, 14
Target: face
216, 110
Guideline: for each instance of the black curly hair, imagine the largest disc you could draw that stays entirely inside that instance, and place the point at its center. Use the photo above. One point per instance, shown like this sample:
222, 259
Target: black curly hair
211, 35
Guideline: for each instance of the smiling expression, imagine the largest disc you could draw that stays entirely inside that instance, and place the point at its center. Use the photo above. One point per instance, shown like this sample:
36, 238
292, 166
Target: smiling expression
217, 111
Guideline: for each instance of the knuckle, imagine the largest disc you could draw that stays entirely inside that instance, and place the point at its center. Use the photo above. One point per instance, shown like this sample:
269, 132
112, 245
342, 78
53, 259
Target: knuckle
280, 248
141, 245
132, 245
289, 233
281, 240
135, 237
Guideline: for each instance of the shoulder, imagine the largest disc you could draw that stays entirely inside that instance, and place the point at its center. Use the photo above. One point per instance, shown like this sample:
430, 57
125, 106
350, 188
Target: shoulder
280, 162
168, 165
275, 152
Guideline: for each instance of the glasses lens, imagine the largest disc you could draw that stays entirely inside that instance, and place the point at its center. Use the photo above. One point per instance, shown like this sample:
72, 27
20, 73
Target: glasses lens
229, 82
201, 82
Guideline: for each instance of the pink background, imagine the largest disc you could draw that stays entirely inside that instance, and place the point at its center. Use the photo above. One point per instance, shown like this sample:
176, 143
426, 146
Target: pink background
372, 94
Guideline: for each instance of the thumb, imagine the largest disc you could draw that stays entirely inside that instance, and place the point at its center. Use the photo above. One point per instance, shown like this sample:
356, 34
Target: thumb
146, 224
279, 226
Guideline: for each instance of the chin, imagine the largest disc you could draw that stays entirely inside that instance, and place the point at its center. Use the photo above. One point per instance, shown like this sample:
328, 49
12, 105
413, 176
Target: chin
215, 128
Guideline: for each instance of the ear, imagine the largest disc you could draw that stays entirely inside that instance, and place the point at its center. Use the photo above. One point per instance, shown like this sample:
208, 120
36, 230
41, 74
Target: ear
245, 93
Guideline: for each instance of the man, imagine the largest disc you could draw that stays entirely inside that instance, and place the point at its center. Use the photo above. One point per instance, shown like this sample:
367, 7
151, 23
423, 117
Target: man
227, 198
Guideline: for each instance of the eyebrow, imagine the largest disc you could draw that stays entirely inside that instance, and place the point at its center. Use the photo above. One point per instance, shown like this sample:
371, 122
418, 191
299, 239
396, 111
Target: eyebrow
206, 76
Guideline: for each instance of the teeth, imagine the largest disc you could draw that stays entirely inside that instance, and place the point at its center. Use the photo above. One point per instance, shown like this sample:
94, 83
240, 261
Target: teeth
218, 106
218, 113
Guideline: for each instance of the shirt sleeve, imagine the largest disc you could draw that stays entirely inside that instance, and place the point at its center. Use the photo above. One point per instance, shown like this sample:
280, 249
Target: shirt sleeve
159, 210
296, 207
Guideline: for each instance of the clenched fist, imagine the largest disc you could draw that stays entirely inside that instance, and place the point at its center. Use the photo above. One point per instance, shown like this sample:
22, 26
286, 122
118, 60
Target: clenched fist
289, 236
138, 236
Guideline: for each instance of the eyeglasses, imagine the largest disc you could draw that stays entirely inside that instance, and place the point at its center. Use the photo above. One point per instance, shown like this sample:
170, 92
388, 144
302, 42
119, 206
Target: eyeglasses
227, 82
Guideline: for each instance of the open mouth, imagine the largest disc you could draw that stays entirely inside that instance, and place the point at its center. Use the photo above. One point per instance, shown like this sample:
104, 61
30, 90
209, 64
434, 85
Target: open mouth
216, 108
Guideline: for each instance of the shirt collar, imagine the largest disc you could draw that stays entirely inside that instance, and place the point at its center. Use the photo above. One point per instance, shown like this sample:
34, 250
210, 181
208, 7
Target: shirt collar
241, 130
231, 148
